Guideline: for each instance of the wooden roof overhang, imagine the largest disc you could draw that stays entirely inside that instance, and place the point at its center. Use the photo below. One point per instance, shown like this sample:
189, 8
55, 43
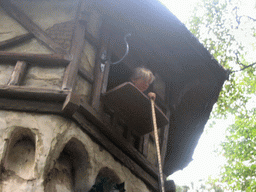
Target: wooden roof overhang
194, 78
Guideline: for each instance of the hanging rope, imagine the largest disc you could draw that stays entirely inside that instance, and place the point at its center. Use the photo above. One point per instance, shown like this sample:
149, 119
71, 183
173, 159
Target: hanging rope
157, 146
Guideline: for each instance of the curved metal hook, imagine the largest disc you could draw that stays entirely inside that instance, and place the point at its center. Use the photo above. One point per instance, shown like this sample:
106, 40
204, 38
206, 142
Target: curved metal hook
127, 49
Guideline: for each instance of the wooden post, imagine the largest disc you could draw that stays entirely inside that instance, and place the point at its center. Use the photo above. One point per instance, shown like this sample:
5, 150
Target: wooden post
75, 50
164, 133
101, 71
18, 73
145, 145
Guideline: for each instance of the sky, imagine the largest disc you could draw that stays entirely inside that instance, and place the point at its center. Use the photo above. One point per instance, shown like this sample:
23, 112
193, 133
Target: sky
205, 161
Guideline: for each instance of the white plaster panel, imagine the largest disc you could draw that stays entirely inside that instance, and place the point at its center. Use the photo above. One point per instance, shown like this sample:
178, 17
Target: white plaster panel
30, 46
88, 57
39, 76
9, 28
5, 73
46, 13
83, 88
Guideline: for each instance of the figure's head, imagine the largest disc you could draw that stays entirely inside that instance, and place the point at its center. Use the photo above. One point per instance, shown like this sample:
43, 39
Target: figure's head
142, 78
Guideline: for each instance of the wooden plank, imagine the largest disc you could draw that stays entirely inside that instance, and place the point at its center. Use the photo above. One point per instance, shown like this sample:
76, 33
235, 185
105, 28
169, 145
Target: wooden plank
92, 40
145, 145
105, 77
75, 51
18, 73
33, 93
71, 104
107, 130
133, 107
99, 74
40, 59
82, 71
115, 151
16, 40
29, 105
28, 24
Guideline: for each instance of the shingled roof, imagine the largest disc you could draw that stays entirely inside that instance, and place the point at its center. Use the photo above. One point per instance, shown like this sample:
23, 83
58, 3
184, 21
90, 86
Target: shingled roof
195, 78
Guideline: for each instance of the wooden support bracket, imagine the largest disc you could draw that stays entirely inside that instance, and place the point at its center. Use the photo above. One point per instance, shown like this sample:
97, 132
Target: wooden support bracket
71, 104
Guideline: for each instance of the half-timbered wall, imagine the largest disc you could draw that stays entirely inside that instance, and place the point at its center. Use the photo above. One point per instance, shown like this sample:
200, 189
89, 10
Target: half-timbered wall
48, 50
58, 20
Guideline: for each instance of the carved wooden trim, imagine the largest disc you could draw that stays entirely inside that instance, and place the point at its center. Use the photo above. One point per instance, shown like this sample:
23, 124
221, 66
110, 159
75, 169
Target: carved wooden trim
40, 59
27, 23
116, 152
18, 73
15, 40
75, 50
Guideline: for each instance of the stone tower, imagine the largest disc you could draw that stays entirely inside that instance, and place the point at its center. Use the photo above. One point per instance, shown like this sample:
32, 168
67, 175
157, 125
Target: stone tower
57, 134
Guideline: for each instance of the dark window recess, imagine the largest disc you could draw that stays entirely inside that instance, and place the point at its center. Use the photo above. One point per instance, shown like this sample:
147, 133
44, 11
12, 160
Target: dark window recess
118, 74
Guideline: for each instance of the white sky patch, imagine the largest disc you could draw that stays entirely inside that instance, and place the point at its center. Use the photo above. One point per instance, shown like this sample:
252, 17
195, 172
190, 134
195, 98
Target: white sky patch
206, 162
182, 9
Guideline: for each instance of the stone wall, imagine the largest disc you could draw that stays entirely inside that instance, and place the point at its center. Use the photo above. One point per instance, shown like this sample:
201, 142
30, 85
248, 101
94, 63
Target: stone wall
50, 153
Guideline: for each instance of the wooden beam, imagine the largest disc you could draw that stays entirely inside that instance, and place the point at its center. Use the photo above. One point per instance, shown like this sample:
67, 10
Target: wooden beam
42, 59
82, 71
106, 129
75, 50
91, 39
115, 151
164, 134
23, 92
145, 145
28, 24
99, 71
15, 40
71, 104
18, 73
30, 105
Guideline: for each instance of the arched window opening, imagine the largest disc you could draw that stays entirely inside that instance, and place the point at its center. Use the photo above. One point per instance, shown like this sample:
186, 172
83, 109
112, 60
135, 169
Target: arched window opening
107, 181
20, 154
70, 169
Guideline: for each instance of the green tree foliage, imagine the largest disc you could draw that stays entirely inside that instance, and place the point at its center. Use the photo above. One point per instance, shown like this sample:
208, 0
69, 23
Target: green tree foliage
222, 27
